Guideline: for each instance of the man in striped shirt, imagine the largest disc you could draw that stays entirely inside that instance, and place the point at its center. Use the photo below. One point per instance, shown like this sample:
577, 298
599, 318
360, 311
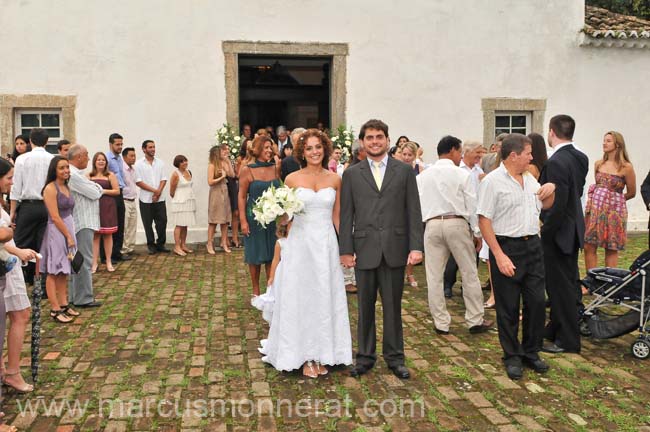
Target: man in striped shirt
86, 196
509, 203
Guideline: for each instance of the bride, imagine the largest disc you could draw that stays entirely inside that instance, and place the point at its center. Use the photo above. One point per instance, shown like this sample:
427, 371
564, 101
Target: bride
310, 326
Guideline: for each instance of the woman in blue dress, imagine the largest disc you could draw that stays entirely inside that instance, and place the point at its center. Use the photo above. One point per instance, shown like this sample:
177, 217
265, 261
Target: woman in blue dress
254, 179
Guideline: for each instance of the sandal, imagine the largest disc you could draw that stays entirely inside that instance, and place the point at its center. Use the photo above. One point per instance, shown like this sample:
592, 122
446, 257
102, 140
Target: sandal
187, 250
225, 248
489, 305
60, 316
25, 388
179, 252
210, 250
309, 371
69, 311
322, 370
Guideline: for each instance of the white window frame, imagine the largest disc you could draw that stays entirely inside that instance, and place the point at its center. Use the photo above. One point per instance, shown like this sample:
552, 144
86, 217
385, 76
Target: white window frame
510, 114
52, 141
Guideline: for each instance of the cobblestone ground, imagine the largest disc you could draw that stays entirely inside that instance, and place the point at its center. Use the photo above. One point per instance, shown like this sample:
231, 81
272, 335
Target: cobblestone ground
175, 348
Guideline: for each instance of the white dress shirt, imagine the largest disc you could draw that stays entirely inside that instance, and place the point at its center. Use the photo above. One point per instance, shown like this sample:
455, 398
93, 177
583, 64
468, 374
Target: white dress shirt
30, 173
86, 194
151, 174
130, 190
446, 190
513, 209
475, 172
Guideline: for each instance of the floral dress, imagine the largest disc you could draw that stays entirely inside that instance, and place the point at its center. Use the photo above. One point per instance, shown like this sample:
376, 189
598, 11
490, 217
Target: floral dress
606, 213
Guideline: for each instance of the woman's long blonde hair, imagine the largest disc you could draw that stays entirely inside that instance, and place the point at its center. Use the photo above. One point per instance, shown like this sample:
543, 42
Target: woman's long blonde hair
215, 158
620, 155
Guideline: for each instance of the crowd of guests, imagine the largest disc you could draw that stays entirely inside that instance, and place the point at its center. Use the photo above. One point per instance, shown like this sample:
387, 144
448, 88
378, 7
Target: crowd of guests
477, 204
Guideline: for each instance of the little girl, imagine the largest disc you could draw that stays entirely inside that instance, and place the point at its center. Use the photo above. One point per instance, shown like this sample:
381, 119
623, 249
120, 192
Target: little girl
266, 301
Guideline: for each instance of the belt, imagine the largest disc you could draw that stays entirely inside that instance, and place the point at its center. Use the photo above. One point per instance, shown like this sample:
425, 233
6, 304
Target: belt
129, 199
31, 201
443, 217
523, 238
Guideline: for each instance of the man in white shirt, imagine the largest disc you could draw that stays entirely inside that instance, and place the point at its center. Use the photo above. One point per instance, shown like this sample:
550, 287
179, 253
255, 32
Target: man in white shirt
472, 153
448, 201
27, 208
130, 194
509, 204
86, 194
150, 177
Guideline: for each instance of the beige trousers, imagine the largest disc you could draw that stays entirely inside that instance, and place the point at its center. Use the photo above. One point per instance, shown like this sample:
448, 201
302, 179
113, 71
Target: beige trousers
442, 237
130, 225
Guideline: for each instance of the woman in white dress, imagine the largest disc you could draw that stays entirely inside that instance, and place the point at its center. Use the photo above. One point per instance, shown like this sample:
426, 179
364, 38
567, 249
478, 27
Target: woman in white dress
183, 204
310, 326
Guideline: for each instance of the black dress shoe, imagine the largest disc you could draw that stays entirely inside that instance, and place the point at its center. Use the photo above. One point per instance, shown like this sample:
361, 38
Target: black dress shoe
123, 258
538, 365
400, 371
514, 371
359, 370
151, 251
481, 328
552, 348
441, 332
92, 304
162, 249
447, 292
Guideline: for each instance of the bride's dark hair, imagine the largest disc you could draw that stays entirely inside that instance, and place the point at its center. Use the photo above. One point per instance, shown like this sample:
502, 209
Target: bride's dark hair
299, 147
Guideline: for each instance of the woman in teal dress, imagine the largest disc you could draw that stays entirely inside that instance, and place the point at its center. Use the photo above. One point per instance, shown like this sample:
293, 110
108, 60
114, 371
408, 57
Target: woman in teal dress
254, 179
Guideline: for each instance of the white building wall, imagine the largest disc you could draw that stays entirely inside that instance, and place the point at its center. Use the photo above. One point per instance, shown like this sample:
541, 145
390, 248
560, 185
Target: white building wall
155, 69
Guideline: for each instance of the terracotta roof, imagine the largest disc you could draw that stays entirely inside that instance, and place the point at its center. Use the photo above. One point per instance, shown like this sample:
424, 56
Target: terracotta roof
601, 23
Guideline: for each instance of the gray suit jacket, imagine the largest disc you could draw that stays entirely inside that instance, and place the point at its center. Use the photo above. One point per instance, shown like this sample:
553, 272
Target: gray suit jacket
377, 223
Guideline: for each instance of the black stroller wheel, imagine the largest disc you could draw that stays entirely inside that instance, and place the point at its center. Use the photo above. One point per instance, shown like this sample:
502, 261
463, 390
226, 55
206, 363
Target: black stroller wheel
584, 328
641, 349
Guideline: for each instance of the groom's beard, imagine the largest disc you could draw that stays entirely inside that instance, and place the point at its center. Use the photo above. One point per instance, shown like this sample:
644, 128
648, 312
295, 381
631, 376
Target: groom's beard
377, 153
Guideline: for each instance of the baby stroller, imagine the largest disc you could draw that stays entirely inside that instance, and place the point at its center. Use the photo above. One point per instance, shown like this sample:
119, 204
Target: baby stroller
626, 289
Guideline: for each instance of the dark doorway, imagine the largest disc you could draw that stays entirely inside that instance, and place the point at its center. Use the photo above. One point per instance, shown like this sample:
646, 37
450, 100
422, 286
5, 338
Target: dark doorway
284, 90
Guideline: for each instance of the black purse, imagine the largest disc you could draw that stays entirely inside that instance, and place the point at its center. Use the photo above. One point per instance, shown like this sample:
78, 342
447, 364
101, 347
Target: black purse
77, 262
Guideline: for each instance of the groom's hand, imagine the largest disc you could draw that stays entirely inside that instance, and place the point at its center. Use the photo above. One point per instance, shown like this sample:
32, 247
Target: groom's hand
348, 261
414, 258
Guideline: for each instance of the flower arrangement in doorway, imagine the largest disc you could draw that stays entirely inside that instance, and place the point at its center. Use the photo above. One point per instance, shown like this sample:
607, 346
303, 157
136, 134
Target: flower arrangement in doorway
227, 136
343, 139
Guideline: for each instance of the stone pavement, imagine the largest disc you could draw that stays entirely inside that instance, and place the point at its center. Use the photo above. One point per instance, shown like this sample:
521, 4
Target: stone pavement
175, 348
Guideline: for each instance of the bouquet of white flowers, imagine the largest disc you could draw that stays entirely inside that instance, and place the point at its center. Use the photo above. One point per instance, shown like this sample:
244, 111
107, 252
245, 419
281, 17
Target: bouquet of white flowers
226, 135
343, 140
274, 203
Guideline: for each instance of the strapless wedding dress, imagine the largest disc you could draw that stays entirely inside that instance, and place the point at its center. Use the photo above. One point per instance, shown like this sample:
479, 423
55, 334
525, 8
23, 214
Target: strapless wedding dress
310, 310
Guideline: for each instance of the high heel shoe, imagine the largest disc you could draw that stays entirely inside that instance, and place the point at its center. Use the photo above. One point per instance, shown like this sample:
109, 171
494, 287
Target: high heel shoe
225, 248
93, 269
110, 268
179, 252
25, 388
210, 250
309, 371
322, 370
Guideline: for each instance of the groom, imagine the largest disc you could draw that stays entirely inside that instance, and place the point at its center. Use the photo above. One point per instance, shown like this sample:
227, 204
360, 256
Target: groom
380, 232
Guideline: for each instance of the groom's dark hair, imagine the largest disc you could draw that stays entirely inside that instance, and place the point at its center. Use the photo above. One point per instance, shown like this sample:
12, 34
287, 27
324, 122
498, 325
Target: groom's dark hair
373, 124
447, 143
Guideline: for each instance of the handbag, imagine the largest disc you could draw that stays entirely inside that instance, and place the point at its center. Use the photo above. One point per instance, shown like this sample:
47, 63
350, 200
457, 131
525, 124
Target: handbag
76, 262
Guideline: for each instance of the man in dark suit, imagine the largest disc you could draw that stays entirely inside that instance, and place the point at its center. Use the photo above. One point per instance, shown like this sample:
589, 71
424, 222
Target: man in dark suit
645, 194
563, 233
380, 232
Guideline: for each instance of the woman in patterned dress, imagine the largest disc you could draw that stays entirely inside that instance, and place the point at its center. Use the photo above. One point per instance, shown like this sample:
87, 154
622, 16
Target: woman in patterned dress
606, 211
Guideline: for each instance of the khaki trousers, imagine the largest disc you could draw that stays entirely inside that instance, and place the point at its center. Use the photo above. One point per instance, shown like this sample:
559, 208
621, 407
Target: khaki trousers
130, 225
442, 237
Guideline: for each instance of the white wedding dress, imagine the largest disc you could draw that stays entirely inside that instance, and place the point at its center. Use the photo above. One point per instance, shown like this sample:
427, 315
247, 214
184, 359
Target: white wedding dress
310, 313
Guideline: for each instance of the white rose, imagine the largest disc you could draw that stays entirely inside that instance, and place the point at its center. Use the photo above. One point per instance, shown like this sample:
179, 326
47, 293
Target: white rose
237, 138
334, 139
347, 142
223, 130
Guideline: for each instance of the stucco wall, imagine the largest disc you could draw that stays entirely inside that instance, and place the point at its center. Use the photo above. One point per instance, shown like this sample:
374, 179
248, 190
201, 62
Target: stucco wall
155, 69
